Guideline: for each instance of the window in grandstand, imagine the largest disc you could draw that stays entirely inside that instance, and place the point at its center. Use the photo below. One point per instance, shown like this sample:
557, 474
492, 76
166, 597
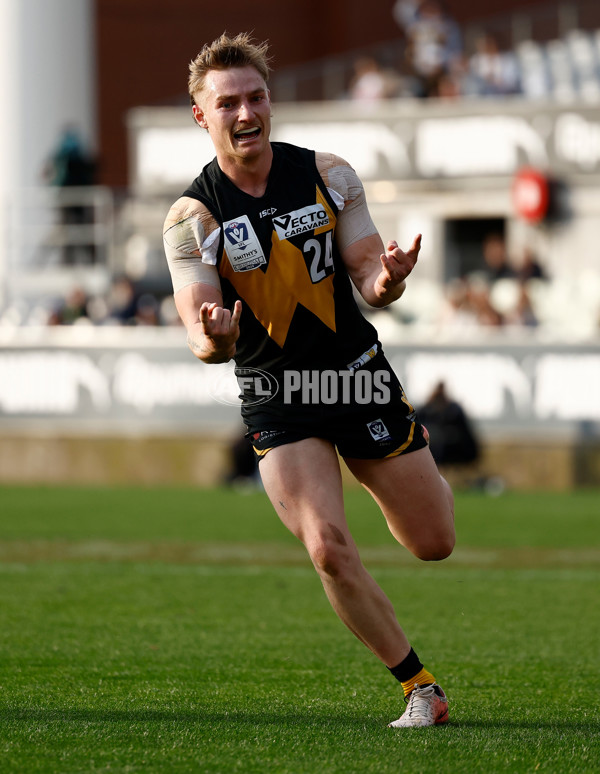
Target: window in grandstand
464, 240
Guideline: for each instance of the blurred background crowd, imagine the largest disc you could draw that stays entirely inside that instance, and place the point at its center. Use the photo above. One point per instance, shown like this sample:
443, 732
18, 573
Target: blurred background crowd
430, 56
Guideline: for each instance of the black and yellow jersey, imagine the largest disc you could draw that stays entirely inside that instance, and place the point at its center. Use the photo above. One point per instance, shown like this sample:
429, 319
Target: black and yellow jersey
278, 255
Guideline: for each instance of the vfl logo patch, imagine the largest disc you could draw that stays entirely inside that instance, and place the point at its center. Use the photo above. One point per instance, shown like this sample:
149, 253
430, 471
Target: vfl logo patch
242, 246
297, 222
378, 430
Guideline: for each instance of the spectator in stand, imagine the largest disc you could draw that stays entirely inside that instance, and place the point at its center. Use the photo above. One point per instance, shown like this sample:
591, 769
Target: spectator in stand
468, 306
530, 267
242, 470
72, 166
370, 83
449, 87
523, 312
458, 81
122, 301
496, 263
72, 309
405, 12
496, 72
433, 41
146, 310
480, 302
452, 440
457, 313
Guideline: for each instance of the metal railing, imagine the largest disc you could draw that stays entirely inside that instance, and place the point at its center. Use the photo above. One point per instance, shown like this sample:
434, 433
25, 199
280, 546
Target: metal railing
59, 227
49, 235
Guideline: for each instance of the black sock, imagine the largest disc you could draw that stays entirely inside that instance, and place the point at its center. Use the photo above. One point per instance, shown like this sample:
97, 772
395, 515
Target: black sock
407, 668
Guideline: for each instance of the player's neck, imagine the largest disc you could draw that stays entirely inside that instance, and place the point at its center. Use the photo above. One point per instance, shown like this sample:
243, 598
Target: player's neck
249, 175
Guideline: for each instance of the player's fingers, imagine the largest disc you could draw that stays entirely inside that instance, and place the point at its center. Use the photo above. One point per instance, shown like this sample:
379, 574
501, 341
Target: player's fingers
386, 266
396, 268
416, 245
203, 315
394, 260
237, 313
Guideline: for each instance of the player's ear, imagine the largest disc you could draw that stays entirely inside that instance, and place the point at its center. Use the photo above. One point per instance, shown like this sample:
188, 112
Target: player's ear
199, 116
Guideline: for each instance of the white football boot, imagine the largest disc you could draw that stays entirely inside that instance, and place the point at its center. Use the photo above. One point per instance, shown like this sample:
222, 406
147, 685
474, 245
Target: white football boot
427, 706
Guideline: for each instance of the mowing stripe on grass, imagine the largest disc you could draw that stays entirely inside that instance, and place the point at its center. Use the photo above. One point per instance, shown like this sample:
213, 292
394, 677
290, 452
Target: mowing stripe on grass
277, 554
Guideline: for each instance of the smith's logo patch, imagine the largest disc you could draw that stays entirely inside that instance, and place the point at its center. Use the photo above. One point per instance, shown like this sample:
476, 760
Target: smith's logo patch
242, 246
297, 222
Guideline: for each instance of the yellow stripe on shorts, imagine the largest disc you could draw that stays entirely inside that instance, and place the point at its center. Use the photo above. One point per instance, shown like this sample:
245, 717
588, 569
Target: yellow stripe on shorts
405, 445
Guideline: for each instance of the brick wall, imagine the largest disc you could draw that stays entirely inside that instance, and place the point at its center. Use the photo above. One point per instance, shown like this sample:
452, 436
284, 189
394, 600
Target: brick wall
144, 46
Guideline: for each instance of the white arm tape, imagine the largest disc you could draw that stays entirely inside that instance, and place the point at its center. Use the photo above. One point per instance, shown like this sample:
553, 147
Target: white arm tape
354, 221
191, 256
337, 198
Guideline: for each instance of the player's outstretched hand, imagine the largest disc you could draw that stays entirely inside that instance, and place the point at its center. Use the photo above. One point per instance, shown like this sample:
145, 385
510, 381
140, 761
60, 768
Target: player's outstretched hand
220, 330
396, 265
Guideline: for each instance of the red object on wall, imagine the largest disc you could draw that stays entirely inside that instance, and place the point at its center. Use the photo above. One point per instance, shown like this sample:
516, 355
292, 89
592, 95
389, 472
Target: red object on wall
531, 194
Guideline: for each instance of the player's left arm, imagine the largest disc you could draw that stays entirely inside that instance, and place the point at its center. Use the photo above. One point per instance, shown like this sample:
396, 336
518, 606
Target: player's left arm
378, 272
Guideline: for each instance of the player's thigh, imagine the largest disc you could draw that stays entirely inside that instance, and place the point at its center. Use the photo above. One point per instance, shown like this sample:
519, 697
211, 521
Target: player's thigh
415, 500
303, 481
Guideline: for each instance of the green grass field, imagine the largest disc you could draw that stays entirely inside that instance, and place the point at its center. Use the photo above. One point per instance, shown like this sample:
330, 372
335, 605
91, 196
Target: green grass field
158, 630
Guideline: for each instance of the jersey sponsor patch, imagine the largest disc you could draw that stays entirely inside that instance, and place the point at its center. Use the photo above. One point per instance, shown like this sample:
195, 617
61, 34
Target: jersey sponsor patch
241, 245
297, 222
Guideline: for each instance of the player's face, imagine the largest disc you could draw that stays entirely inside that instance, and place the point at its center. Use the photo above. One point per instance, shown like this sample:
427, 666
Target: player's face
235, 107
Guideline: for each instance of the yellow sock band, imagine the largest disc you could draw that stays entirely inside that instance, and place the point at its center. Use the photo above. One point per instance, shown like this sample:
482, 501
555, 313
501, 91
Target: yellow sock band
422, 678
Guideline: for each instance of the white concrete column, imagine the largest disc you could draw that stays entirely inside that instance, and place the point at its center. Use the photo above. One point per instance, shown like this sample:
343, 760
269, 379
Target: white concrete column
47, 80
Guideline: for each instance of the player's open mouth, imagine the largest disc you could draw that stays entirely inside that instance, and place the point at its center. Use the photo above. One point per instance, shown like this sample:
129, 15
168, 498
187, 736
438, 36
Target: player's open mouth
248, 134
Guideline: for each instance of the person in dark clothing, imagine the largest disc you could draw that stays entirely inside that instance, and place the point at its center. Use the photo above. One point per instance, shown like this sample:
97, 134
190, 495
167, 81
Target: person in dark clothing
72, 166
452, 440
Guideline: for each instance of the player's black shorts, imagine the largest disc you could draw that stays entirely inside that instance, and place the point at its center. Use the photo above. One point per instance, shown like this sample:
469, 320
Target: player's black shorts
363, 412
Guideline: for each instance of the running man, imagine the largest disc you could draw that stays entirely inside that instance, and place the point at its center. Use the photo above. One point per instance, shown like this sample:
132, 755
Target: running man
263, 249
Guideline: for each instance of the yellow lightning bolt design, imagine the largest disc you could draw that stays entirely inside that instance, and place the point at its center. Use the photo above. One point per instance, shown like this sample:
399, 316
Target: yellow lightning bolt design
273, 295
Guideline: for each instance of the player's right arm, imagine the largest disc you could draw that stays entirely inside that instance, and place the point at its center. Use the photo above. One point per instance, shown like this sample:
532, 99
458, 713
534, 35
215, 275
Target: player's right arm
191, 238
212, 329
378, 272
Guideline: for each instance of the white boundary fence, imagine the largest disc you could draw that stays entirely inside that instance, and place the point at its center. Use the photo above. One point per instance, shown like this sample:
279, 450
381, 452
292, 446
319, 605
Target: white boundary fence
121, 381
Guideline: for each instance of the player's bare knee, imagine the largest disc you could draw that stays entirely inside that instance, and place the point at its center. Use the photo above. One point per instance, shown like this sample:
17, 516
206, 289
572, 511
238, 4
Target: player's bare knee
325, 556
435, 547
331, 558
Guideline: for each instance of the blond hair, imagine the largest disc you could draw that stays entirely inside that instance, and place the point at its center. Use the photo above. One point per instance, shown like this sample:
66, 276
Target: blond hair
226, 52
